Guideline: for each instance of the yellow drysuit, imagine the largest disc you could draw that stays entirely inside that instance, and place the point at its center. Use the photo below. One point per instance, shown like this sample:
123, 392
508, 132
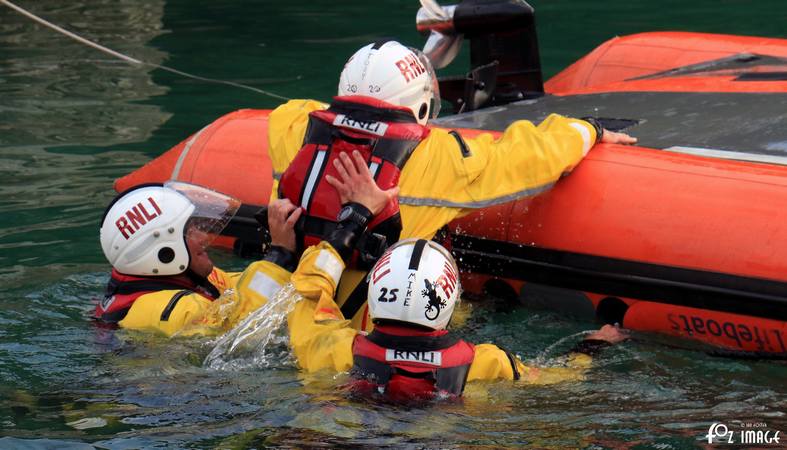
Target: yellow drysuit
327, 344
439, 183
442, 181
184, 312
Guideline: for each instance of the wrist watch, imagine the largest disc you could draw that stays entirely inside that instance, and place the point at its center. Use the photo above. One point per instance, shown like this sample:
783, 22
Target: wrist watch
597, 126
348, 213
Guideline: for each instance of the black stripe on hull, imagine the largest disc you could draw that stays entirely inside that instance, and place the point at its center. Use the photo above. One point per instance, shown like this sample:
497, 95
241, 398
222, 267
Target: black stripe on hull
713, 291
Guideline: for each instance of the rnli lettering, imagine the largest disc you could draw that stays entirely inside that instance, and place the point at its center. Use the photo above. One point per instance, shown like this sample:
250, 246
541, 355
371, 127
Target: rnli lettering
410, 67
133, 219
432, 358
740, 334
447, 280
376, 128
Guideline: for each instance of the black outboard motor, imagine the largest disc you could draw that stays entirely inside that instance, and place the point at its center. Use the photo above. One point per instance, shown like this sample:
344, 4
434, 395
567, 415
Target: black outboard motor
504, 59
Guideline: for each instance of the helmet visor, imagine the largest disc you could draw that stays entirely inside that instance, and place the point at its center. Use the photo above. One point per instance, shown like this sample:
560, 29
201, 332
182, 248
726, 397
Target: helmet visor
433, 84
212, 210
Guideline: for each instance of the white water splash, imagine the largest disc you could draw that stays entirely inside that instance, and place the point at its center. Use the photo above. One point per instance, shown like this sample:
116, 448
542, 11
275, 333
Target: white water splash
551, 357
260, 340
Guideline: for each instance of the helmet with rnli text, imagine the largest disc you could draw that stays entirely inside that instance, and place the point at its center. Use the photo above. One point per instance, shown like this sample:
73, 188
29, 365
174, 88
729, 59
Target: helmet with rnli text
396, 74
415, 282
144, 230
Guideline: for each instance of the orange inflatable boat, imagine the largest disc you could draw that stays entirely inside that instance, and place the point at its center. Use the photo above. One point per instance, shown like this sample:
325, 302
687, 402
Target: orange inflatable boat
685, 234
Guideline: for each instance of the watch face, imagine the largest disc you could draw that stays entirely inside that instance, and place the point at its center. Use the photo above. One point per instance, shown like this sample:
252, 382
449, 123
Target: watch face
344, 213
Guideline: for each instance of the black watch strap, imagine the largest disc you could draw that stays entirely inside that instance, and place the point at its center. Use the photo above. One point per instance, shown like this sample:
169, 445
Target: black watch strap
358, 214
597, 125
349, 229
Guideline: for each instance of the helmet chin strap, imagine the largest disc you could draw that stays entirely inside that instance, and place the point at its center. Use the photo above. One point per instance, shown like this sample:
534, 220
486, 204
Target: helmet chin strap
202, 282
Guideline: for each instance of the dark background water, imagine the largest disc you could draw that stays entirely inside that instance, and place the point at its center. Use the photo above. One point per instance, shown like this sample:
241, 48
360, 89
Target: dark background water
72, 120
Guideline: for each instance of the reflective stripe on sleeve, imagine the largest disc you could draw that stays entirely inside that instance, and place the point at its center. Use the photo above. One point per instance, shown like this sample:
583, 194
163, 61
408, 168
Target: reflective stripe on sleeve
586, 141
264, 285
415, 201
330, 264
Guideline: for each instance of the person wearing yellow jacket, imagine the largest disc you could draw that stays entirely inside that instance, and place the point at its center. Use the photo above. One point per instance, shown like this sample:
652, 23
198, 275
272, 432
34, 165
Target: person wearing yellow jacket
155, 237
413, 290
387, 92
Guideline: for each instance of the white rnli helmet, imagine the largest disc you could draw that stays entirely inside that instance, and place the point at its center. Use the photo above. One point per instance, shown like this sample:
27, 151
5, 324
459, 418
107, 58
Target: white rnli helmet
143, 231
395, 74
416, 282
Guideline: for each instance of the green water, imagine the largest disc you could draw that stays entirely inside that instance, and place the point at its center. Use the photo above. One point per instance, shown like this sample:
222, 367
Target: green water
72, 120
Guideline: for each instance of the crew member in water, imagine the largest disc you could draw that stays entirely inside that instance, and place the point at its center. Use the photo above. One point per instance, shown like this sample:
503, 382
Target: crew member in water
155, 237
387, 94
413, 291
442, 177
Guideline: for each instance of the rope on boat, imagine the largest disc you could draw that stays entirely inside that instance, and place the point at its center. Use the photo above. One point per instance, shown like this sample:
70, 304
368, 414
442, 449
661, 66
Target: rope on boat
129, 59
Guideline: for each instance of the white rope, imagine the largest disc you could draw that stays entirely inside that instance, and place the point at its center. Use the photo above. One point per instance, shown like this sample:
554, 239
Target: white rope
129, 59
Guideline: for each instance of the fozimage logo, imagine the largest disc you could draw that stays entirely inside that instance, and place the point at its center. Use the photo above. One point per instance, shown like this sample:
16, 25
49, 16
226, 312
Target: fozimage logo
749, 433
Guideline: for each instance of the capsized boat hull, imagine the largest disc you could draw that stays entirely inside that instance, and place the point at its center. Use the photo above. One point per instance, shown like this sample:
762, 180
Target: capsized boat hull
684, 234
646, 239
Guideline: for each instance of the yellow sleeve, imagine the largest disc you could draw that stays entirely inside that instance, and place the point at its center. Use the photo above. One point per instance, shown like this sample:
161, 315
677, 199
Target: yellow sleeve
223, 280
183, 313
319, 335
575, 367
492, 363
257, 284
286, 128
251, 289
154, 312
526, 159
442, 181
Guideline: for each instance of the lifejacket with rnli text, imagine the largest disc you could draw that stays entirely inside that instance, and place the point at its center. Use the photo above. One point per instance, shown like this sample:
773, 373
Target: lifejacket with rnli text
414, 367
123, 290
384, 134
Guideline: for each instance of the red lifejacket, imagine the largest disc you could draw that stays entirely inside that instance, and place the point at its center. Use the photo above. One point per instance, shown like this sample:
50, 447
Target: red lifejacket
405, 364
386, 136
123, 290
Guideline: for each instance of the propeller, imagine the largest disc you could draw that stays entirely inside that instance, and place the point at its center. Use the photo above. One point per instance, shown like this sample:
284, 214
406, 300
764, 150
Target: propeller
444, 42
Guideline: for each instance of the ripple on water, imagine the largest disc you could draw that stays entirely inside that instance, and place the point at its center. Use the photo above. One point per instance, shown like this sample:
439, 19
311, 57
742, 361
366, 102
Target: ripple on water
145, 387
